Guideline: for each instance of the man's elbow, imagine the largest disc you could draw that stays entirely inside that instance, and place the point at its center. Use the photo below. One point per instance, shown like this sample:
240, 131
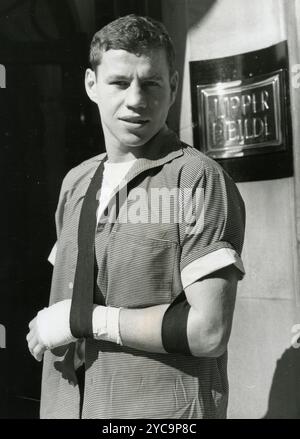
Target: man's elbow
217, 345
210, 343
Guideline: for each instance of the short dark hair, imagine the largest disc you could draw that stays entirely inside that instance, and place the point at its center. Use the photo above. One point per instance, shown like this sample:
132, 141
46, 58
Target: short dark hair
133, 33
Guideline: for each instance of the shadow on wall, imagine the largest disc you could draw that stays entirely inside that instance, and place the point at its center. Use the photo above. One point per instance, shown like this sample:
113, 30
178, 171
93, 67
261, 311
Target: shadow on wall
194, 15
284, 398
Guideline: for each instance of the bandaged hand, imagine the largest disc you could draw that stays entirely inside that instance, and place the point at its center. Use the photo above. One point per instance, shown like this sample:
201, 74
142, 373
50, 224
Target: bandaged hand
50, 329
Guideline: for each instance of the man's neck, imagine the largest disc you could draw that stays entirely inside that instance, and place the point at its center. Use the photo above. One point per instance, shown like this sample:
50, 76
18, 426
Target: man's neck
117, 156
123, 153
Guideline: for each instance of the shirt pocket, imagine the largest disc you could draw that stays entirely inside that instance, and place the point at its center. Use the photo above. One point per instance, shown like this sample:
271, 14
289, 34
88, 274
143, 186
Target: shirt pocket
140, 270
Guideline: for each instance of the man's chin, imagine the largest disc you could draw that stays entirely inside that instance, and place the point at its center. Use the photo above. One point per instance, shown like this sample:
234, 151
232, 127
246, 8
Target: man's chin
135, 141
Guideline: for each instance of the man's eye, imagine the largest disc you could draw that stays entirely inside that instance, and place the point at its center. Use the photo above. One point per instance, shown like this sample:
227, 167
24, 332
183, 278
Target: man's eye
151, 84
120, 84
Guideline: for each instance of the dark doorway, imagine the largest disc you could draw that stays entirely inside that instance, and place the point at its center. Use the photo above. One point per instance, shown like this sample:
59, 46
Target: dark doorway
47, 126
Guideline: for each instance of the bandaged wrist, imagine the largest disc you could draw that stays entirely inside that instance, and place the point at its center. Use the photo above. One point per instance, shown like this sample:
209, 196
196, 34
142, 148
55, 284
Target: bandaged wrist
53, 325
106, 324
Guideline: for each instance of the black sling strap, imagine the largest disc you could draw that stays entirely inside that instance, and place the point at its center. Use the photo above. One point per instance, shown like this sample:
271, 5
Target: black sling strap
83, 289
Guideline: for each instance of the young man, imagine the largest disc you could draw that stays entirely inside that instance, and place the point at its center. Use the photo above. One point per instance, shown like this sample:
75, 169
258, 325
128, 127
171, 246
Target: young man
143, 296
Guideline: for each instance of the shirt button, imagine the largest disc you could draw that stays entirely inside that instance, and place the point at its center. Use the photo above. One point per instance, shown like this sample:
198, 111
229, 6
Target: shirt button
71, 285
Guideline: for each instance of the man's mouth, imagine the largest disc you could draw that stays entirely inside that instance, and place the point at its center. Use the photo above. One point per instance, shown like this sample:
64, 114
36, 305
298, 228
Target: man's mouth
136, 120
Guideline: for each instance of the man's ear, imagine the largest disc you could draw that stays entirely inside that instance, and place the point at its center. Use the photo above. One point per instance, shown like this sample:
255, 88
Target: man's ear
174, 86
90, 85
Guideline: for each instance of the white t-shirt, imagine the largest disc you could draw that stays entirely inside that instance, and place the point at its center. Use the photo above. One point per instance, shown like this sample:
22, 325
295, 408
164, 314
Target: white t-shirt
113, 175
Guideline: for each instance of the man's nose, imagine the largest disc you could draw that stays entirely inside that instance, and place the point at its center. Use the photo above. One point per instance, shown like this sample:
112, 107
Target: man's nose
135, 96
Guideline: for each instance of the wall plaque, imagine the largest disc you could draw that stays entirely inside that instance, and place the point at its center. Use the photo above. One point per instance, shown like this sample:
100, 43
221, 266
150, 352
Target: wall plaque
241, 114
241, 119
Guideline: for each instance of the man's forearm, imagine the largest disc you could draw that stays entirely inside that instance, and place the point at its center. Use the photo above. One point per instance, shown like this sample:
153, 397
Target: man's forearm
141, 328
198, 324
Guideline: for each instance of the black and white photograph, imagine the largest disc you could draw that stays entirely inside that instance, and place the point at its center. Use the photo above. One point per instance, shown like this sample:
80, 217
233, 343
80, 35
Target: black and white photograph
150, 226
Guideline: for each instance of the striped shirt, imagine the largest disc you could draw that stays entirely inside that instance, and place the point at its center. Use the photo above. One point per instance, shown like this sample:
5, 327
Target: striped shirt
146, 257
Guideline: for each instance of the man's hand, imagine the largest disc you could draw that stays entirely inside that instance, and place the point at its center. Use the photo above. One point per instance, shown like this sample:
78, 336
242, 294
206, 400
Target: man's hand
50, 329
35, 344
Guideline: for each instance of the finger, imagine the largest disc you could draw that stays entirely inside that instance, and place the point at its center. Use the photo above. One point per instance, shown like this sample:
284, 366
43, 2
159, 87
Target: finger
32, 343
30, 335
38, 352
32, 323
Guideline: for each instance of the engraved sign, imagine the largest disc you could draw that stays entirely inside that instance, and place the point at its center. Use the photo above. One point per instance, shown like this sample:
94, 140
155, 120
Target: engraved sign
240, 118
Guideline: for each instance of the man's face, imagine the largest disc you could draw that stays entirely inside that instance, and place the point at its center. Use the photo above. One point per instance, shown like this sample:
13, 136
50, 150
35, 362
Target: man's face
133, 93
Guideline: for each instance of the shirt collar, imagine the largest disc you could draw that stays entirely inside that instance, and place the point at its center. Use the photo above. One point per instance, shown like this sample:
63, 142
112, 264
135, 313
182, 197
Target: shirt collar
162, 148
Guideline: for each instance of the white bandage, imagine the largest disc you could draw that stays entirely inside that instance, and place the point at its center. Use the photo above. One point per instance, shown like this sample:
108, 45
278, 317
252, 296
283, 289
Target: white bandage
106, 324
53, 324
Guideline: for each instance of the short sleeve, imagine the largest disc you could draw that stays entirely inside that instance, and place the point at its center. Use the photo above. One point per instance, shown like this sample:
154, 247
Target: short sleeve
59, 214
52, 255
213, 225
63, 198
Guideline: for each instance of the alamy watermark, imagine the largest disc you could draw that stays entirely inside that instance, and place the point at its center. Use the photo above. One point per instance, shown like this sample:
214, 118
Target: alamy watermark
2, 76
158, 206
2, 337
